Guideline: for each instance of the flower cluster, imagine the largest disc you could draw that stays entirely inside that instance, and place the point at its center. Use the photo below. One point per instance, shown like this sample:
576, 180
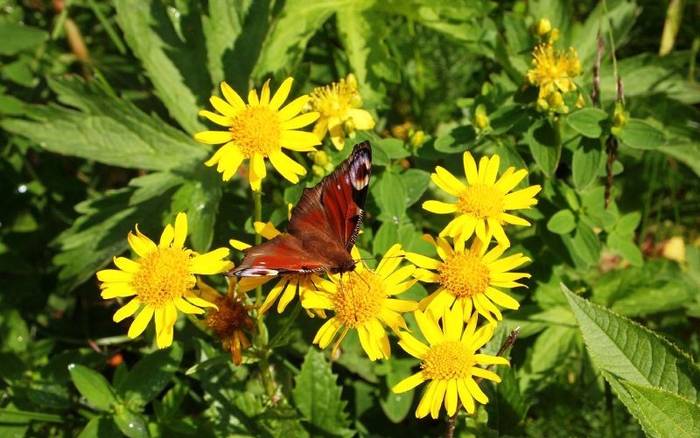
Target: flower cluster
553, 71
470, 272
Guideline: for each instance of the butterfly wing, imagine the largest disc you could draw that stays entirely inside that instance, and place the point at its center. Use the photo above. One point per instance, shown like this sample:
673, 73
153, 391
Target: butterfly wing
334, 208
284, 254
323, 225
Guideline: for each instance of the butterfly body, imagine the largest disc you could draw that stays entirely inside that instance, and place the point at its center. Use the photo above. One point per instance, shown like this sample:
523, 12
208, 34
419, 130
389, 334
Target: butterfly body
323, 225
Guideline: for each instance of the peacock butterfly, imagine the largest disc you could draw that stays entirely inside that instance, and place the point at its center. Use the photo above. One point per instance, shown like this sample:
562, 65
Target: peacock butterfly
322, 228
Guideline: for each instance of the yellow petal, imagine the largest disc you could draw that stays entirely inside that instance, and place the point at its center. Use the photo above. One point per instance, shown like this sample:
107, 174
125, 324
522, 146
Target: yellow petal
140, 322
413, 346
281, 94
265, 93
289, 293
486, 374
127, 310
233, 98
117, 290
470, 170
114, 275
425, 402
438, 207
223, 107
475, 391
293, 108
400, 275
187, 308
213, 137
210, 263
258, 165
141, 244
253, 98
164, 335
450, 181
217, 118
401, 306
362, 119
515, 220
300, 121
451, 397
492, 170
166, 238
409, 383
487, 359
199, 302
327, 332
522, 198
266, 229
465, 397
180, 230
429, 328
502, 299
126, 265
237, 244
287, 167
453, 323
509, 180
273, 294
423, 261
438, 397
300, 141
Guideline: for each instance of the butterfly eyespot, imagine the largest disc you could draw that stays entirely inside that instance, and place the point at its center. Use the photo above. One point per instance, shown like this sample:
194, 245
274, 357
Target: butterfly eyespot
256, 272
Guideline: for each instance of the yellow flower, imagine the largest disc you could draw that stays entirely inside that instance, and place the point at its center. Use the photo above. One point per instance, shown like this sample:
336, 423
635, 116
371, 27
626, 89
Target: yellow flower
450, 362
482, 203
339, 105
288, 286
161, 280
469, 278
259, 130
543, 27
362, 300
553, 71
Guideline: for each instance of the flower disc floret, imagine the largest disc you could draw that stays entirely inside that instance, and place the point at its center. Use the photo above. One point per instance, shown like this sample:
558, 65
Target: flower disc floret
448, 360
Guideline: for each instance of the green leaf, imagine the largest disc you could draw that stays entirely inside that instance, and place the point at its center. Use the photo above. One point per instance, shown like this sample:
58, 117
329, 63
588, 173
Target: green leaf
93, 386
385, 237
550, 349
562, 222
397, 406
100, 427
106, 129
586, 162
639, 134
222, 27
200, 197
416, 182
175, 63
291, 31
543, 140
685, 152
12, 415
626, 247
131, 424
457, 140
317, 394
14, 333
17, 37
150, 376
661, 413
391, 197
587, 121
632, 352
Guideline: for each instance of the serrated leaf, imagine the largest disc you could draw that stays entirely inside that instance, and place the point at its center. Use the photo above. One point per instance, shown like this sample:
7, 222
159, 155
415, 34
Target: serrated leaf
633, 352
93, 386
587, 121
639, 134
661, 413
318, 396
562, 222
585, 163
545, 147
291, 31
221, 27
150, 376
106, 129
176, 67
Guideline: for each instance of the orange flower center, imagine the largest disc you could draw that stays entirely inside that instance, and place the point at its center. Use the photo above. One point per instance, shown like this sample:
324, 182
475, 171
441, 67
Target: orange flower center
163, 276
359, 298
447, 361
256, 129
481, 201
464, 275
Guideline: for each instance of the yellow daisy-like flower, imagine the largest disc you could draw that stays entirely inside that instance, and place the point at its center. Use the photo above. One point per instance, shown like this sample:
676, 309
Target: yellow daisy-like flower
469, 278
450, 362
161, 280
362, 300
339, 105
288, 286
553, 71
482, 203
257, 130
